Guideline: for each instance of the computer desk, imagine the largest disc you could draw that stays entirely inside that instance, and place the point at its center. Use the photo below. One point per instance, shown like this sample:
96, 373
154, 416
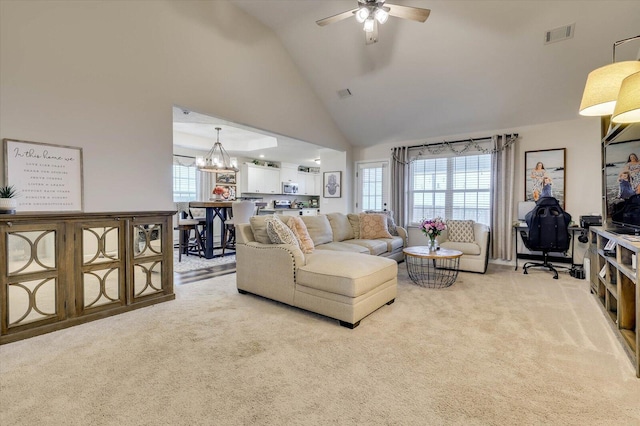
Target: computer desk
534, 256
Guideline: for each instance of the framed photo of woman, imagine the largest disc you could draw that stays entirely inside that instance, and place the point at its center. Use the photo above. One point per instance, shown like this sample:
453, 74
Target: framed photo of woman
622, 171
544, 174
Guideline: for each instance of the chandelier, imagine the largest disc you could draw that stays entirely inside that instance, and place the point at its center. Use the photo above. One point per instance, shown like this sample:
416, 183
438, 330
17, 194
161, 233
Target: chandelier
217, 159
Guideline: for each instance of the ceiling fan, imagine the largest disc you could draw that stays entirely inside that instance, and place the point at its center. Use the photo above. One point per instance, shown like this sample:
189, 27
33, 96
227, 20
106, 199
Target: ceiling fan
372, 12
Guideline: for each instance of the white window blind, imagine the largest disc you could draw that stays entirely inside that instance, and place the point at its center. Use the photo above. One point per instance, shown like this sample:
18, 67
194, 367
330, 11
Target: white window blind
372, 188
184, 182
456, 187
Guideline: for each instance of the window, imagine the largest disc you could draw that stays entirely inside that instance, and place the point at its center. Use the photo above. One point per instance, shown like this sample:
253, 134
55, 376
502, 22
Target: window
372, 178
184, 182
451, 187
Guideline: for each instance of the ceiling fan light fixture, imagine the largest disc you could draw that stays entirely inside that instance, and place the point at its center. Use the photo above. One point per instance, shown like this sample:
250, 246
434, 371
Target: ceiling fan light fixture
362, 14
369, 25
217, 159
381, 15
627, 108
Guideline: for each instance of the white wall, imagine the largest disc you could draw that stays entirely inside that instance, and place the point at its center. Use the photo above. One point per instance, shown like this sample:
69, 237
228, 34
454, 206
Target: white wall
104, 75
580, 137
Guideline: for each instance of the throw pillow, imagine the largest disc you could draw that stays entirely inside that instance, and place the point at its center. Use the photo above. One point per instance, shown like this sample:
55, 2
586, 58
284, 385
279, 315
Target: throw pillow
391, 223
259, 229
302, 235
373, 225
279, 233
319, 228
460, 231
340, 226
354, 220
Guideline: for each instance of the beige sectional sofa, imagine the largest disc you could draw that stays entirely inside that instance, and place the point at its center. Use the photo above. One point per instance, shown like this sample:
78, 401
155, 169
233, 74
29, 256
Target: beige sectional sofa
343, 277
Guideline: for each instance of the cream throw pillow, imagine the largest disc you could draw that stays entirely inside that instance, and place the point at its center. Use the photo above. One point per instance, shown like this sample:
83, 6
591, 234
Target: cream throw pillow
302, 235
319, 228
340, 226
460, 231
259, 229
279, 233
354, 220
373, 225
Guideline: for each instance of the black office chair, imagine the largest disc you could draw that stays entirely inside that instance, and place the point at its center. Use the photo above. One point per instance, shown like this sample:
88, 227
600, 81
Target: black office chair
548, 232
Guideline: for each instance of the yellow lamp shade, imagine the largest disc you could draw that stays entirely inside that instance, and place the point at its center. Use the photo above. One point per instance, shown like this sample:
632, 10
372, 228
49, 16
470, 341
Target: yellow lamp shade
603, 85
628, 105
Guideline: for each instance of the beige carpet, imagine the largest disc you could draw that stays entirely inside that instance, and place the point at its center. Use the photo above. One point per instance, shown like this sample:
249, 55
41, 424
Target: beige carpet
497, 349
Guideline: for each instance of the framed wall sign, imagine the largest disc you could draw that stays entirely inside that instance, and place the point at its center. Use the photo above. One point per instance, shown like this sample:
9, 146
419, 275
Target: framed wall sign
544, 174
47, 177
332, 185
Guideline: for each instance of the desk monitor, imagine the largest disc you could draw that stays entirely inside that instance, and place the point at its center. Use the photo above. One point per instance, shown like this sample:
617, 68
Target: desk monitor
525, 207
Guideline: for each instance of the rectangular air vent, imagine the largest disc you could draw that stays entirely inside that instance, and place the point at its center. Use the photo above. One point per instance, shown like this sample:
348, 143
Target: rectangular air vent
344, 93
559, 34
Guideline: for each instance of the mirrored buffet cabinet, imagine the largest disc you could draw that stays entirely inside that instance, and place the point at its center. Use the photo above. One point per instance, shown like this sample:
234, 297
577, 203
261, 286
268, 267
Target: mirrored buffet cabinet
63, 269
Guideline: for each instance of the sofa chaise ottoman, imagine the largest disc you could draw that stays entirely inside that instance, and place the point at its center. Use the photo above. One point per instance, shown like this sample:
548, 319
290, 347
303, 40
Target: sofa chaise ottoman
345, 280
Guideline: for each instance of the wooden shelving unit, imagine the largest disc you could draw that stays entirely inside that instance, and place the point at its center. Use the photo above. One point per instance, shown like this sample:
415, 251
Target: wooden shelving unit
614, 282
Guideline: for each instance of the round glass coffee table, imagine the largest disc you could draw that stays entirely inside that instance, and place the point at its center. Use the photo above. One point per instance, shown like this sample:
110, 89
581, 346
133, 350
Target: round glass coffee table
433, 269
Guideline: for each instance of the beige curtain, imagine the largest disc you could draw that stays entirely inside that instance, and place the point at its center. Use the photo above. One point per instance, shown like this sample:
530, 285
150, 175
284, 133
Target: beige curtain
205, 182
400, 184
502, 198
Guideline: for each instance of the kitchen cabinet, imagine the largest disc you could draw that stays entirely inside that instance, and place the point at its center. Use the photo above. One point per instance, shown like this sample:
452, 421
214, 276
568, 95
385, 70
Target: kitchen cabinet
309, 184
288, 173
298, 212
259, 179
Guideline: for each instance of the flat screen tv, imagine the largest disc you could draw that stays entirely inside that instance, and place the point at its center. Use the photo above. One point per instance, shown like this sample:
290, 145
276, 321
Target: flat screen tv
622, 180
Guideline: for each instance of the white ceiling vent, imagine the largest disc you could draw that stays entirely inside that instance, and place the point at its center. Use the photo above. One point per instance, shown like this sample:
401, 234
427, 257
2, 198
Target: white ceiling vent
344, 93
559, 34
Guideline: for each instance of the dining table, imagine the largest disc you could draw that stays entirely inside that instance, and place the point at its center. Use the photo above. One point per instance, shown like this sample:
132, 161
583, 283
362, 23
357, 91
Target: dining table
213, 209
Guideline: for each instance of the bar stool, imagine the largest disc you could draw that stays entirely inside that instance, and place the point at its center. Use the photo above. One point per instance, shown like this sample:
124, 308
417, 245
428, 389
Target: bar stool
187, 244
184, 226
241, 211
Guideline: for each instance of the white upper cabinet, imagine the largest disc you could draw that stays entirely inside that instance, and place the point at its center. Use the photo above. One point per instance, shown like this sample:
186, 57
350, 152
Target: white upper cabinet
260, 179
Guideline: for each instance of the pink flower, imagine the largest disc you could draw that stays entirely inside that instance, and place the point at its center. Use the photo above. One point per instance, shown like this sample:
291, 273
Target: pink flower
433, 227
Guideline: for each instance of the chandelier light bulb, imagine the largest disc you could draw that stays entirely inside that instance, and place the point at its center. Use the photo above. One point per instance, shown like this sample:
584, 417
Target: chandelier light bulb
368, 25
362, 14
381, 15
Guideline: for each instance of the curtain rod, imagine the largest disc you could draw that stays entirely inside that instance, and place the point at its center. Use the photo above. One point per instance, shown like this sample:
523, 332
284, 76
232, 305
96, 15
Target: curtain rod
183, 156
458, 141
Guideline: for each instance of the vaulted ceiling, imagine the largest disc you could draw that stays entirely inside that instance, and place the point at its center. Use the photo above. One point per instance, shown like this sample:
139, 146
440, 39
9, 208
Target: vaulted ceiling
473, 66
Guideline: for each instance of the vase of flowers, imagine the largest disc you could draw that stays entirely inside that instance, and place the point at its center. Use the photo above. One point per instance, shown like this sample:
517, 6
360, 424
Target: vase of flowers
432, 228
218, 191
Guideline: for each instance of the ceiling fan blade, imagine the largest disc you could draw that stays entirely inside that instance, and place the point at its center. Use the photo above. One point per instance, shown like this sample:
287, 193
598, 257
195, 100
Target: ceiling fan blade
336, 18
372, 36
406, 12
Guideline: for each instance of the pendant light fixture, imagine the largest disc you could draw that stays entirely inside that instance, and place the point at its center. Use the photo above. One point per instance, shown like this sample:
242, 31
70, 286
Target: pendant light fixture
628, 105
603, 87
217, 159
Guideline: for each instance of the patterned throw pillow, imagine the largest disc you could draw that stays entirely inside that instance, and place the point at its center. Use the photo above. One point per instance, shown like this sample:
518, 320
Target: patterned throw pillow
460, 231
302, 235
391, 223
373, 225
279, 233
